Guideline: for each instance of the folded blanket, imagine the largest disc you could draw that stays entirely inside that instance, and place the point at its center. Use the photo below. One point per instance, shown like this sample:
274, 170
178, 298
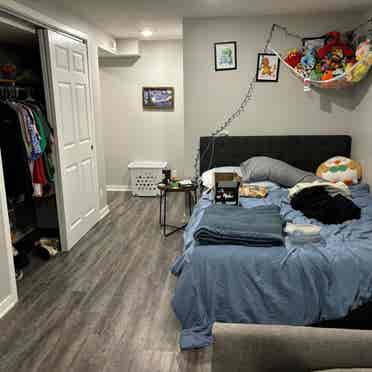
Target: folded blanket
260, 226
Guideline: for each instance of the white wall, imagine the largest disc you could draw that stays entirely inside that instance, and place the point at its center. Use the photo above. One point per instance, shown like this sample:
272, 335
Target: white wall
97, 38
132, 134
277, 108
362, 124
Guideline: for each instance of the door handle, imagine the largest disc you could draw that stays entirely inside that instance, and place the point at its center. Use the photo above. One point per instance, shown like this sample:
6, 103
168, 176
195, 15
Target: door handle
91, 147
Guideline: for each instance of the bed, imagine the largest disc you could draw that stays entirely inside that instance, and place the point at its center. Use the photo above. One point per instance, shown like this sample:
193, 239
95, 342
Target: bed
317, 284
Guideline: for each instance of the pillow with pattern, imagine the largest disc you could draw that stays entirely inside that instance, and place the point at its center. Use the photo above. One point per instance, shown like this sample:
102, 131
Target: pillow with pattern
340, 169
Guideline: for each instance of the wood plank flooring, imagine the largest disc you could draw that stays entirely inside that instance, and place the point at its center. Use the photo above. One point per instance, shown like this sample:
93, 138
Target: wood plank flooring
105, 306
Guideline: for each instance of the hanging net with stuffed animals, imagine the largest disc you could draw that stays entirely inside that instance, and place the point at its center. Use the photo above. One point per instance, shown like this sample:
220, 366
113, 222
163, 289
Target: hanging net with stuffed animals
335, 60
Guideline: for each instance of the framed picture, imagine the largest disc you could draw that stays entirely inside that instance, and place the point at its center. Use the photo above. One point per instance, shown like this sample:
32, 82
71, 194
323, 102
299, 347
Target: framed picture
225, 57
314, 42
158, 98
267, 67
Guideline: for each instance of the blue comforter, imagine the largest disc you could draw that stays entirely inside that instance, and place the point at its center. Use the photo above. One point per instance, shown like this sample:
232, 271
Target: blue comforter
293, 284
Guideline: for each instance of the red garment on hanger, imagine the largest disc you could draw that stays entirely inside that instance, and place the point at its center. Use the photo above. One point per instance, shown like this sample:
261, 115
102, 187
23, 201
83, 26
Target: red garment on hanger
39, 173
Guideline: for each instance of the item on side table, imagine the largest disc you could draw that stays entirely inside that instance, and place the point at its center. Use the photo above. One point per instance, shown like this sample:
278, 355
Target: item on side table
227, 192
185, 183
340, 169
252, 191
167, 175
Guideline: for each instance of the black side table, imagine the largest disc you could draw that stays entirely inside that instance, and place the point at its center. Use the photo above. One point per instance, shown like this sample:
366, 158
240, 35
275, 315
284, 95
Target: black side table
190, 200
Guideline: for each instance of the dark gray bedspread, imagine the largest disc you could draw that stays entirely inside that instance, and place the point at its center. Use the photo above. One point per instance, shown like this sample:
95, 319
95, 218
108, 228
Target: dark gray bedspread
259, 227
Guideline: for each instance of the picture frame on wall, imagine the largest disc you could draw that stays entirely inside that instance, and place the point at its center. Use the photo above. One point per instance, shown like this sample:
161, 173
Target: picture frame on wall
158, 98
268, 65
225, 56
314, 42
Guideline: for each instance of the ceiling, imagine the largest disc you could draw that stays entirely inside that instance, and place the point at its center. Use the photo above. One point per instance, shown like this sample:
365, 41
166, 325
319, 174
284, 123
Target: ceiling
126, 18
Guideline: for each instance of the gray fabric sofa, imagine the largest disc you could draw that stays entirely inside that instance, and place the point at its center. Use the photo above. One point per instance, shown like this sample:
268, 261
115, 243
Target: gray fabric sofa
262, 348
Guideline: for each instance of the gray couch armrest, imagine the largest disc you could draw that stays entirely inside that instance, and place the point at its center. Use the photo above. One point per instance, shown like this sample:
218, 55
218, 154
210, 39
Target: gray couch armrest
261, 348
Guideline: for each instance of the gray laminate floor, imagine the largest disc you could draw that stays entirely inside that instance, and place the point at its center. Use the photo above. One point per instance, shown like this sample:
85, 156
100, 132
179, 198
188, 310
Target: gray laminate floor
105, 306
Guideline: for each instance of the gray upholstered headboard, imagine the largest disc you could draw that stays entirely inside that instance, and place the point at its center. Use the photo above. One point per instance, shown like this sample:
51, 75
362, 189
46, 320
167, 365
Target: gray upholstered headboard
304, 152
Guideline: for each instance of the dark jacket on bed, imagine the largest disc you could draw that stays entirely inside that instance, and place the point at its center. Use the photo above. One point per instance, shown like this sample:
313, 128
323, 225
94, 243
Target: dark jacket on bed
315, 202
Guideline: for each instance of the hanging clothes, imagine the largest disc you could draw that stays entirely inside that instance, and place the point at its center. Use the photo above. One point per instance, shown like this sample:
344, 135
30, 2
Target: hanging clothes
18, 182
31, 138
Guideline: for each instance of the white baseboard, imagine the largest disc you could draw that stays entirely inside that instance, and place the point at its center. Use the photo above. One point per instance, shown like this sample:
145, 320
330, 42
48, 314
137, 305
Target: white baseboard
118, 188
7, 304
104, 212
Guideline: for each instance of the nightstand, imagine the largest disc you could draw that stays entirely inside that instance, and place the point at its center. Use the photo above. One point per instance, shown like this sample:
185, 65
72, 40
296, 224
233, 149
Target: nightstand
190, 200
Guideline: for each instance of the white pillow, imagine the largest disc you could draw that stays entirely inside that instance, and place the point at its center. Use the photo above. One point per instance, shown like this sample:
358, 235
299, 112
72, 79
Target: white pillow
207, 177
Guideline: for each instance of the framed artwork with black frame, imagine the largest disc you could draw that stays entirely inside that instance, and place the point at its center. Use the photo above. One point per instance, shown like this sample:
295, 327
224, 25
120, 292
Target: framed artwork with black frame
268, 65
314, 42
158, 98
225, 56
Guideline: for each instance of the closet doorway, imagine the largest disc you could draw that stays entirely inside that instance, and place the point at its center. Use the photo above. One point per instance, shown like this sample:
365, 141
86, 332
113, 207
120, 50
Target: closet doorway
49, 184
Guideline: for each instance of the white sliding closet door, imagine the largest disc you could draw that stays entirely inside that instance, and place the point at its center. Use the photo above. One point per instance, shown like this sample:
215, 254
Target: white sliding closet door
65, 62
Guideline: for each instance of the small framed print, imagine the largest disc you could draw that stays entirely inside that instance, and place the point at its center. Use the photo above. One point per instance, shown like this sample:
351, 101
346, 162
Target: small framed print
267, 67
158, 98
314, 42
225, 56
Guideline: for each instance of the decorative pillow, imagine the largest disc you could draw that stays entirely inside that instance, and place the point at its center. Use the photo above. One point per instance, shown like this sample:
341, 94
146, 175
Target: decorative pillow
340, 169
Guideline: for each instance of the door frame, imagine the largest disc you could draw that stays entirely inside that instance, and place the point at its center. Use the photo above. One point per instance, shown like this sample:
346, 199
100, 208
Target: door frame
5, 240
51, 113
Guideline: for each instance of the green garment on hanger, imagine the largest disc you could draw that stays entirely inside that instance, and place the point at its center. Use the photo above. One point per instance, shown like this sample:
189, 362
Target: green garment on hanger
40, 128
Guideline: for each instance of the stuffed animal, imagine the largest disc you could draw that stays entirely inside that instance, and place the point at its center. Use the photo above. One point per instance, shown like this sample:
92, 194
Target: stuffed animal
340, 169
359, 71
293, 57
308, 61
364, 52
349, 71
334, 60
334, 41
328, 75
316, 74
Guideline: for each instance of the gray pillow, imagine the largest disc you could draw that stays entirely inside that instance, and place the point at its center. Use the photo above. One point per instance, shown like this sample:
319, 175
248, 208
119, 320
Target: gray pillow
262, 168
